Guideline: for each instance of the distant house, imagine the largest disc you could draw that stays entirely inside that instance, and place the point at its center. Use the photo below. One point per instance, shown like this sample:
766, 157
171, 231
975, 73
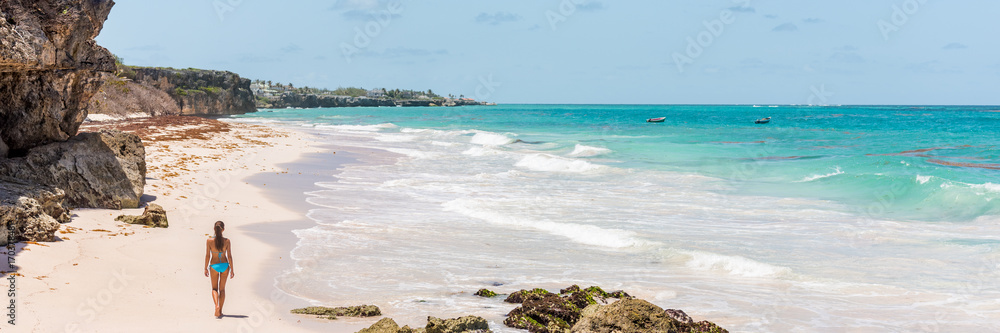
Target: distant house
376, 93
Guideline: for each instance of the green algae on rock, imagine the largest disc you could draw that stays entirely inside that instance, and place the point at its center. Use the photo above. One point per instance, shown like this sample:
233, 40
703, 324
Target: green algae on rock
639, 316
468, 324
486, 293
333, 313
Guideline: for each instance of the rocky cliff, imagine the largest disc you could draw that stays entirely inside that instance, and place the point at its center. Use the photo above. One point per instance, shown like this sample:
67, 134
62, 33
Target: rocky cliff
296, 100
199, 92
49, 68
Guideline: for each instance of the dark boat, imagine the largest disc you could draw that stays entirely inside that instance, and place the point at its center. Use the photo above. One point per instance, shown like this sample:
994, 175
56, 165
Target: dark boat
656, 120
763, 120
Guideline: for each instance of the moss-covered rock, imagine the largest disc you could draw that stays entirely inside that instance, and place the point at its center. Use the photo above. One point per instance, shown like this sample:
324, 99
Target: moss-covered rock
486, 293
545, 312
467, 324
548, 314
639, 316
387, 325
523, 295
333, 313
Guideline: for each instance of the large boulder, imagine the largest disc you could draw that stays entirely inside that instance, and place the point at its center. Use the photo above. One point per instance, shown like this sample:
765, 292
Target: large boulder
545, 312
49, 68
467, 324
30, 212
639, 316
153, 216
96, 170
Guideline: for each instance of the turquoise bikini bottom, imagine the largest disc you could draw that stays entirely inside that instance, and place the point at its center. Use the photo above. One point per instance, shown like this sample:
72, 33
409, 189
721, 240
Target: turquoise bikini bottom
220, 267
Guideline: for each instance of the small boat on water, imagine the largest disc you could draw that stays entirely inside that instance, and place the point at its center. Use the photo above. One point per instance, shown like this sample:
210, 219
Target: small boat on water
763, 120
656, 120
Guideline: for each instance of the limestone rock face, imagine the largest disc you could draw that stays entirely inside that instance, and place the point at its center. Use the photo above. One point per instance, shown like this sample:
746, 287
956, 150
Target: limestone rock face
49, 68
96, 170
153, 216
200, 92
30, 212
297, 100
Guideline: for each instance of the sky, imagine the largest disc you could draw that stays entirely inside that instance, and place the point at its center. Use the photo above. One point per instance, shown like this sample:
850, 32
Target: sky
912, 52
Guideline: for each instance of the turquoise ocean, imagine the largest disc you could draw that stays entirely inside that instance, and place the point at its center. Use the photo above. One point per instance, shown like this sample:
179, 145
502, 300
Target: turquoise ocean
827, 219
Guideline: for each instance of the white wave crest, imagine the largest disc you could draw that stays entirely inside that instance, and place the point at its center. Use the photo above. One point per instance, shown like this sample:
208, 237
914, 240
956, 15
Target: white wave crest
359, 128
988, 186
396, 138
481, 151
733, 265
415, 153
551, 163
491, 139
815, 177
923, 179
588, 151
579, 233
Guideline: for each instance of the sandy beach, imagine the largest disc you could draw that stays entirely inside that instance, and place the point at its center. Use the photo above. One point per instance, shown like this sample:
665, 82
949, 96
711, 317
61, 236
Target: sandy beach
106, 276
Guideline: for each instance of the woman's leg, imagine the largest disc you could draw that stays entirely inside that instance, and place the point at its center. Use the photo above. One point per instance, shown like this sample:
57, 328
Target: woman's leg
222, 288
215, 290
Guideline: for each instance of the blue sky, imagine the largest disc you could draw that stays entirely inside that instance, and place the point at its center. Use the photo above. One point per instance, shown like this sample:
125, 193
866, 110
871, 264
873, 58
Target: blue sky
586, 51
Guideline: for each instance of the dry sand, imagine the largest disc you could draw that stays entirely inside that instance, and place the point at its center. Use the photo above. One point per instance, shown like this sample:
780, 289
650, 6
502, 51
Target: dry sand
106, 276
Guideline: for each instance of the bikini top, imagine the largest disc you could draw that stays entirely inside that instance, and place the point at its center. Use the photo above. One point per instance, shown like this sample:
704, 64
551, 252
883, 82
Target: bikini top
220, 255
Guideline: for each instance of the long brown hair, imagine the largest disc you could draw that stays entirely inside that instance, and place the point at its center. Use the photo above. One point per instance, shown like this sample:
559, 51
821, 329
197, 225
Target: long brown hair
218, 234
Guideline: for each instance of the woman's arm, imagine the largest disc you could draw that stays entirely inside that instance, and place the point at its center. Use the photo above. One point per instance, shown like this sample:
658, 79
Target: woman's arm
229, 254
208, 255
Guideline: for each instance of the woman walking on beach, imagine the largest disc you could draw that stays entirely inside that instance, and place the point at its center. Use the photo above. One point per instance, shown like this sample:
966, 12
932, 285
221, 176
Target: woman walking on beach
220, 265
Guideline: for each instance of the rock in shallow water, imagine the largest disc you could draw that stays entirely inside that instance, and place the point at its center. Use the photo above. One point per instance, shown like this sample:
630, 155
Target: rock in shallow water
333, 313
638, 316
468, 324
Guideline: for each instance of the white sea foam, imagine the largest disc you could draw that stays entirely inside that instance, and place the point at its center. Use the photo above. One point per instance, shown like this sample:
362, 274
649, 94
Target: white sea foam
418, 154
359, 128
923, 179
579, 233
588, 151
551, 163
491, 139
435, 133
732, 265
396, 138
444, 144
815, 177
988, 186
481, 151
